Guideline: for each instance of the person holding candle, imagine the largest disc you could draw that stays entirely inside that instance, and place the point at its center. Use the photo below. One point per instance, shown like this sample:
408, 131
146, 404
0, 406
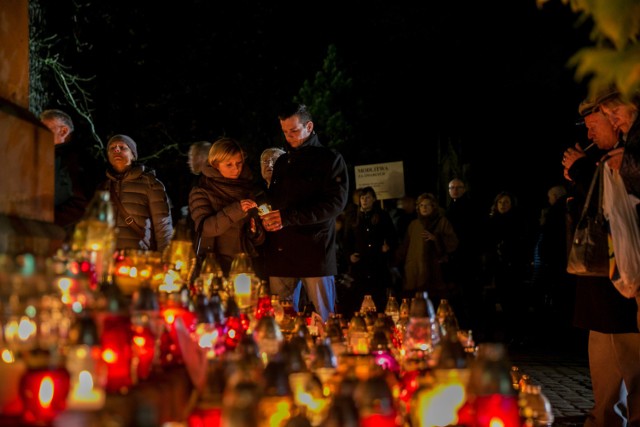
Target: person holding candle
268, 160
225, 200
309, 189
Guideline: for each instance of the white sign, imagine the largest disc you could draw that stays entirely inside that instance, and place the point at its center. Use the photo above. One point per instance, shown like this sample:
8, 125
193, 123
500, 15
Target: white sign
387, 179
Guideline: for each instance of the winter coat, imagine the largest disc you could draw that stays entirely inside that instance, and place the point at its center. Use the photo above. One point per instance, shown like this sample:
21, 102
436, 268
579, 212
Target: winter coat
598, 305
310, 187
226, 231
368, 234
371, 273
145, 199
423, 259
630, 167
505, 248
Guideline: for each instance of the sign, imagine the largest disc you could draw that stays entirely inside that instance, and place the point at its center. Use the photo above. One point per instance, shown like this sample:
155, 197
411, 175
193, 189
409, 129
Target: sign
387, 179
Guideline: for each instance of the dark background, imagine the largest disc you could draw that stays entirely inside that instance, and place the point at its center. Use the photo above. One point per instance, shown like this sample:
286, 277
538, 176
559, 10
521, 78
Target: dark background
486, 81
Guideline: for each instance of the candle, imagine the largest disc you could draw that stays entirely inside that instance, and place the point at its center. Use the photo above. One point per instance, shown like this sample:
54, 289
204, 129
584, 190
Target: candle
497, 410
234, 330
375, 402
84, 396
44, 394
117, 352
242, 289
201, 417
144, 343
20, 333
66, 286
170, 353
126, 276
379, 420
171, 282
264, 307
11, 370
275, 411
180, 253
438, 405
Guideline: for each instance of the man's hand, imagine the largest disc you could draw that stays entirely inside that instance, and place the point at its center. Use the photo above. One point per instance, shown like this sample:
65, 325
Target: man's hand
571, 155
272, 221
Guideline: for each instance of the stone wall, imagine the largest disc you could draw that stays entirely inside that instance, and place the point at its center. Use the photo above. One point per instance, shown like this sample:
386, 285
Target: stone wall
26, 146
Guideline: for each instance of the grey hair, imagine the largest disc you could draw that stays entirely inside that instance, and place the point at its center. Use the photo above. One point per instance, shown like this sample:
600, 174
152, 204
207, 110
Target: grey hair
271, 151
53, 114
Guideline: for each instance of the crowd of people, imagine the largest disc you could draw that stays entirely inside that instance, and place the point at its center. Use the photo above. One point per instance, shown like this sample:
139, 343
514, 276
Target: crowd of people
314, 246
311, 245
479, 260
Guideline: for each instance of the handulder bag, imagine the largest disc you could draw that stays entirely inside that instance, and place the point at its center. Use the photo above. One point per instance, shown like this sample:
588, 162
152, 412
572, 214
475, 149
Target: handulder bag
589, 251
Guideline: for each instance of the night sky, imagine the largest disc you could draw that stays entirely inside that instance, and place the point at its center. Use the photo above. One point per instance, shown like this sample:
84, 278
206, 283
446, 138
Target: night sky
490, 78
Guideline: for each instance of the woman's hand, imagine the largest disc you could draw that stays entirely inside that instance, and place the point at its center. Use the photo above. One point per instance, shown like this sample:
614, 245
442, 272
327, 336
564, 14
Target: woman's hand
614, 158
247, 204
428, 236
